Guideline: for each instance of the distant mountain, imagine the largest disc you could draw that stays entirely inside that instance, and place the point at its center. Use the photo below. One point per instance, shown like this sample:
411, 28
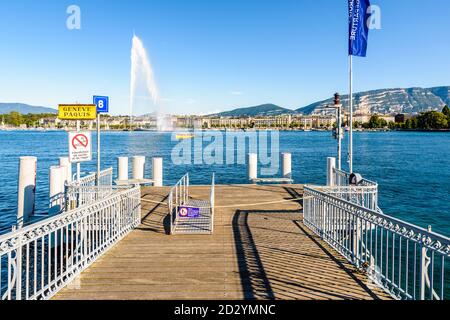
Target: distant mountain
443, 93
23, 108
385, 101
257, 111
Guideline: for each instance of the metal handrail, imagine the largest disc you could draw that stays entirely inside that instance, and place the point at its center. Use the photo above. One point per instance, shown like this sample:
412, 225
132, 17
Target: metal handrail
178, 196
406, 260
365, 196
39, 260
212, 200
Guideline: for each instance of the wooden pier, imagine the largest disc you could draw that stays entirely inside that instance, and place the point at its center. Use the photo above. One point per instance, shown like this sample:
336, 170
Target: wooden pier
256, 252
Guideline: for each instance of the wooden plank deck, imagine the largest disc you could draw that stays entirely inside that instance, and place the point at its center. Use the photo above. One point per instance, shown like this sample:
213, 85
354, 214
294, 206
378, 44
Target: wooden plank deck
256, 252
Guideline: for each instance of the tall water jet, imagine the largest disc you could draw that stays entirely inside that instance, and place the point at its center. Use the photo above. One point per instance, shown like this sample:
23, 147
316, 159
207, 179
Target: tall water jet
141, 68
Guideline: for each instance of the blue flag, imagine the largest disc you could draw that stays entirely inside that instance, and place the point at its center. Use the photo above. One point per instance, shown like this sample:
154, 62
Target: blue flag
358, 27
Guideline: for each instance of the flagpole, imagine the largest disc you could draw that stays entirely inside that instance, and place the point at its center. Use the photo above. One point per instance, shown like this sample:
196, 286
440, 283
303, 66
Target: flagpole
350, 145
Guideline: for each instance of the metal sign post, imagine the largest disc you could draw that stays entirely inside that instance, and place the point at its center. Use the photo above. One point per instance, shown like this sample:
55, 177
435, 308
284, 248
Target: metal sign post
77, 112
99, 167
102, 104
340, 136
78, 163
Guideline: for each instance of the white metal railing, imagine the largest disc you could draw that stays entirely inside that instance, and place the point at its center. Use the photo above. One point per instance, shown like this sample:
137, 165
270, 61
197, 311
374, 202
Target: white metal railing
405, 260
212, 201
178, 196
79, 193
105, 179
342, 179
365, 196
39, 260
86, 191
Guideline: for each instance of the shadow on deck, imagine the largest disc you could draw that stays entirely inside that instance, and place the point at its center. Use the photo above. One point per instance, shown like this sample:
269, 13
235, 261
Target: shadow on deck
302, 268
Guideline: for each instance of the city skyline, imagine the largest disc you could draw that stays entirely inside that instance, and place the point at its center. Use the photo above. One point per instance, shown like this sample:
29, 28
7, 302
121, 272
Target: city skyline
211, 57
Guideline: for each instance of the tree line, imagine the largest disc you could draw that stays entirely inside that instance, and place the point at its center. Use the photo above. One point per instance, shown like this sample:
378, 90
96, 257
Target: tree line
431, 120
17, 119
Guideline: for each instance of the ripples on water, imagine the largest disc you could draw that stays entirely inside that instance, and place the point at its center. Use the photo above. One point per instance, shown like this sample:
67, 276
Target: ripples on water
413, 169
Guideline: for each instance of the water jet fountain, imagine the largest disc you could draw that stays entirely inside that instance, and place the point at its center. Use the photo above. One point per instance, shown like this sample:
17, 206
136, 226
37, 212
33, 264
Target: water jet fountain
141, 70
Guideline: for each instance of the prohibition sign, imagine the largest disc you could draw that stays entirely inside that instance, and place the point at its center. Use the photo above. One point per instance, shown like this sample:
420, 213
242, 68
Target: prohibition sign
183, 212
80, 147
80, 140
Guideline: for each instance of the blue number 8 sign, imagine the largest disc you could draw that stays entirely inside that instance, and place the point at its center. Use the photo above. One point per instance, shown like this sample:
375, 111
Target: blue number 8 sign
102, 104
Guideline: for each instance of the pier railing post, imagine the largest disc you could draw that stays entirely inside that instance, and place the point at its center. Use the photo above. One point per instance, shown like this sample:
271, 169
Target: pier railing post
19, 262
26, 189
423, 271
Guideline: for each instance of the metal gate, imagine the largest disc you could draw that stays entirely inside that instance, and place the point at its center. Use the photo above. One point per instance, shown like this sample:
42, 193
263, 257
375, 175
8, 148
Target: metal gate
179, 202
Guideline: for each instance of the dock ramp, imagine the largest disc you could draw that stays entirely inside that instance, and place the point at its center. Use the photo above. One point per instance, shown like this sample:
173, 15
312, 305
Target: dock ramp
190, 216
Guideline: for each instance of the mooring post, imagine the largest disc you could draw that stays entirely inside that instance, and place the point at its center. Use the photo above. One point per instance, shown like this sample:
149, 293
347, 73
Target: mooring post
157, 172
65, 162
252, 166
57, 188
287, 165
331, 168
138, 167
26, 195
122, 165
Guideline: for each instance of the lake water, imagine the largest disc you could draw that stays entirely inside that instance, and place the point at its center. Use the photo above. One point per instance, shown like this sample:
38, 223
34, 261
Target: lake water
412, 168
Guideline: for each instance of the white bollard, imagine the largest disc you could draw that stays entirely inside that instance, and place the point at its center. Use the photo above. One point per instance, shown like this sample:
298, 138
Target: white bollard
65, 162
138, 167
331, 167
64, 175
56, 176
287, 165
252, 166
122, 165
26, 196
157, 172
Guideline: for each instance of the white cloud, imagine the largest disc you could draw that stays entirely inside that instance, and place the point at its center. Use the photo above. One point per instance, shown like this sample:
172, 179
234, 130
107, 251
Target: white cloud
191, 101
236, 93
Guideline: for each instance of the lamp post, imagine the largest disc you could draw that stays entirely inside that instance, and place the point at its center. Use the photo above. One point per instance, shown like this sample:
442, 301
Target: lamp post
338, 133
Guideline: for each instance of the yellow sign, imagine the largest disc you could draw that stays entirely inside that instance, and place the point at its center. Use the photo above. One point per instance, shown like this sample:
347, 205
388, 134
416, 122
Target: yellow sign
77, 112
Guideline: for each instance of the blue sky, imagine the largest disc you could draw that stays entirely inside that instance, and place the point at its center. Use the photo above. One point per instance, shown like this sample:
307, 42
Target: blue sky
215, 55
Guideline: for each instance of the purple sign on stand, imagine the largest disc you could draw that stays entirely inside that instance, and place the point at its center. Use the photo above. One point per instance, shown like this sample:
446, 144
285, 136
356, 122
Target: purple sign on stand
189, 212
